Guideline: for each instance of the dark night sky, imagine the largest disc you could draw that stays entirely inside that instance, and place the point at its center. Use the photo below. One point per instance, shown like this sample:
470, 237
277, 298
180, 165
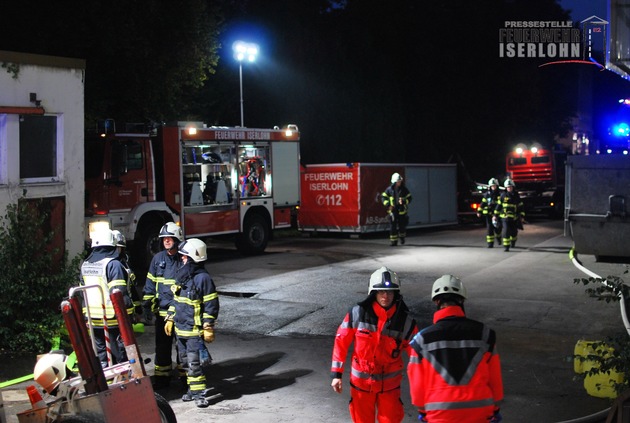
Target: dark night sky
383, 81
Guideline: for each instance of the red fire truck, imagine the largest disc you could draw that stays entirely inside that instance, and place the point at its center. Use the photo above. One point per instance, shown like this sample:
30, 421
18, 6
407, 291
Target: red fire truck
538, 173
211, 180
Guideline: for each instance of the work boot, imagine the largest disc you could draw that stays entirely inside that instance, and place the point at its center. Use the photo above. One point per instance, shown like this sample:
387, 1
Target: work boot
402, 240
513, 243
507, 248
201, 401
491, 245
188, 396
393, 243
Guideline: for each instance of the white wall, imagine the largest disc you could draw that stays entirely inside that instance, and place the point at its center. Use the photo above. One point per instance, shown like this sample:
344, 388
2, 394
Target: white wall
59, 85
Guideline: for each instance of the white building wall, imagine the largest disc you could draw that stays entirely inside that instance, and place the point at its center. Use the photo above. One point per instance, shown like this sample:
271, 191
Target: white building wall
59, 86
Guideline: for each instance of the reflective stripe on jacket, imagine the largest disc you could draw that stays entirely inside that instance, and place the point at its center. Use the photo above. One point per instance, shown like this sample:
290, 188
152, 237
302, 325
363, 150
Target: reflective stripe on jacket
157, 293
510, 206
103, 269
195, 302
391, 196
454, 369
489, 201
379, 338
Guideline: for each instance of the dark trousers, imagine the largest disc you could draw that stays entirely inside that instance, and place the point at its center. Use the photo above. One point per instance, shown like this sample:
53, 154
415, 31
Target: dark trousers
188, 351
398, 226
163, 349
492, 233
119, 354
510, 231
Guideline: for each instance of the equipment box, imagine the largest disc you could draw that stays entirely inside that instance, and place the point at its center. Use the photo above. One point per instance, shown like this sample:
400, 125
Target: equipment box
347, 197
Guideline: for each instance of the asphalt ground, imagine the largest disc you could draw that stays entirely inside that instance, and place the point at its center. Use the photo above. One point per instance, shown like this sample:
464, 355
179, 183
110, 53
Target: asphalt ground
279, 312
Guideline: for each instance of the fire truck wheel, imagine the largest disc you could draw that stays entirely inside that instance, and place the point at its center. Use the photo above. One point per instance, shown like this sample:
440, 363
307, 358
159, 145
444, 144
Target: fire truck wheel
255, 235
167, 415
80, 419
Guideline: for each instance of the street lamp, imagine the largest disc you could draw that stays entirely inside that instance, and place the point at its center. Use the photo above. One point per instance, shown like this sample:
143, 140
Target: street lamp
248, 52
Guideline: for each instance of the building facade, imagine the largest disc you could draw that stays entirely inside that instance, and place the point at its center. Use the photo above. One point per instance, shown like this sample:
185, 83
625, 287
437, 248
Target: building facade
41, 139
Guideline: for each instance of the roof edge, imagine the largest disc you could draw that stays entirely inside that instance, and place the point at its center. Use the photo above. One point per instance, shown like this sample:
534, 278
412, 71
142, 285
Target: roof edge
41, 60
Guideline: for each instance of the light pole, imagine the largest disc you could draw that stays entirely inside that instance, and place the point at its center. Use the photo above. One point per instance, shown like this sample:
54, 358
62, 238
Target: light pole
243, 51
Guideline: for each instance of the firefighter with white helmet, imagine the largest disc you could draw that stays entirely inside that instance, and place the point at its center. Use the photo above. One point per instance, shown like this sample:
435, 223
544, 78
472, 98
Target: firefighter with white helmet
511, 213
103, 268
192, 315
454, 368
489, 203
157, 296
396, 199
380, 328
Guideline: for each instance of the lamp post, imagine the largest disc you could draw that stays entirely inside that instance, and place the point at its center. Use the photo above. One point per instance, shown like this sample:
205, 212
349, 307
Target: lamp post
248, 52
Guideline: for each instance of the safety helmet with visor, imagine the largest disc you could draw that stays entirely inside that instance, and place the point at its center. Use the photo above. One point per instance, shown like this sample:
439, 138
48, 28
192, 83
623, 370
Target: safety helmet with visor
508, 183
103, 237
50, 371
396, 178
448, 284
493, 181
172, 229
384, 279
193, 248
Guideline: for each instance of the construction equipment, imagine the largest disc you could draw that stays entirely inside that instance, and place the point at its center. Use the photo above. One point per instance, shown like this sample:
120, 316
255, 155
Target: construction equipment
120, 393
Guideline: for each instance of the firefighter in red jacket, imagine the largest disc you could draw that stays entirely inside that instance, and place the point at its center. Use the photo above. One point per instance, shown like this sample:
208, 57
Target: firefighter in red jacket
380, 327
454, 369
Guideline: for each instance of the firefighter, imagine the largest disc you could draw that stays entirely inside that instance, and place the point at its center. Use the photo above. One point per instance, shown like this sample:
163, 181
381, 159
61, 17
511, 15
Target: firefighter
510, 210
158, 296
454, 369
486, 212
397, 198
121, 247
103, 268
193, 313
380, 327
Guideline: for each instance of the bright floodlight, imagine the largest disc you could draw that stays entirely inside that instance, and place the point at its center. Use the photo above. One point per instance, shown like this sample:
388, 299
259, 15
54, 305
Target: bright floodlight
245, 51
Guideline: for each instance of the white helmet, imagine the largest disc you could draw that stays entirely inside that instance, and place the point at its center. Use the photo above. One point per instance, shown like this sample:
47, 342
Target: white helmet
448, 284
396, 178
193, 248
493, 181
103, 238
50, 370
508, 183
171, 229
384, 279
120, 239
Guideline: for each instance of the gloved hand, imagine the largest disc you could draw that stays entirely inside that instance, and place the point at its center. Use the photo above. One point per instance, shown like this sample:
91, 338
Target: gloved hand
496, 417
168, 326
208, 333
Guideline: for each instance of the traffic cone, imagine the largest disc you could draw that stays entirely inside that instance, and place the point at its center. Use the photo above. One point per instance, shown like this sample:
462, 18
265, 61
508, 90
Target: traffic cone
35, 397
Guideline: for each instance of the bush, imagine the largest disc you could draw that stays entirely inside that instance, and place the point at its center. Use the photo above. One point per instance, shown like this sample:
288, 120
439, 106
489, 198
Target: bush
613, 354
35, 278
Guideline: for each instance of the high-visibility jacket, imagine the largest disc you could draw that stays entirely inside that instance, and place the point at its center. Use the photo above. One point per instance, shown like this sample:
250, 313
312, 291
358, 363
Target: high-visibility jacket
157, 294
510, 206
103, 268
391, 198
379, 338
454, 369
195, 302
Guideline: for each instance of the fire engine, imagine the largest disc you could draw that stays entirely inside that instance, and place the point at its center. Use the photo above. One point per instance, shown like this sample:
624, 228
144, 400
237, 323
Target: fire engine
210, 180
538, 173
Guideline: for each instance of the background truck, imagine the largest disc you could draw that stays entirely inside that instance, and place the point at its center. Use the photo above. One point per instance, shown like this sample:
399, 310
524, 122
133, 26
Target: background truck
538, 173
347, 197
596, 214
213, 181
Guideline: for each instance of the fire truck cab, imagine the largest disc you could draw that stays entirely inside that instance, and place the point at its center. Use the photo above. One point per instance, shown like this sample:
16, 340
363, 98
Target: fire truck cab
212, 181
